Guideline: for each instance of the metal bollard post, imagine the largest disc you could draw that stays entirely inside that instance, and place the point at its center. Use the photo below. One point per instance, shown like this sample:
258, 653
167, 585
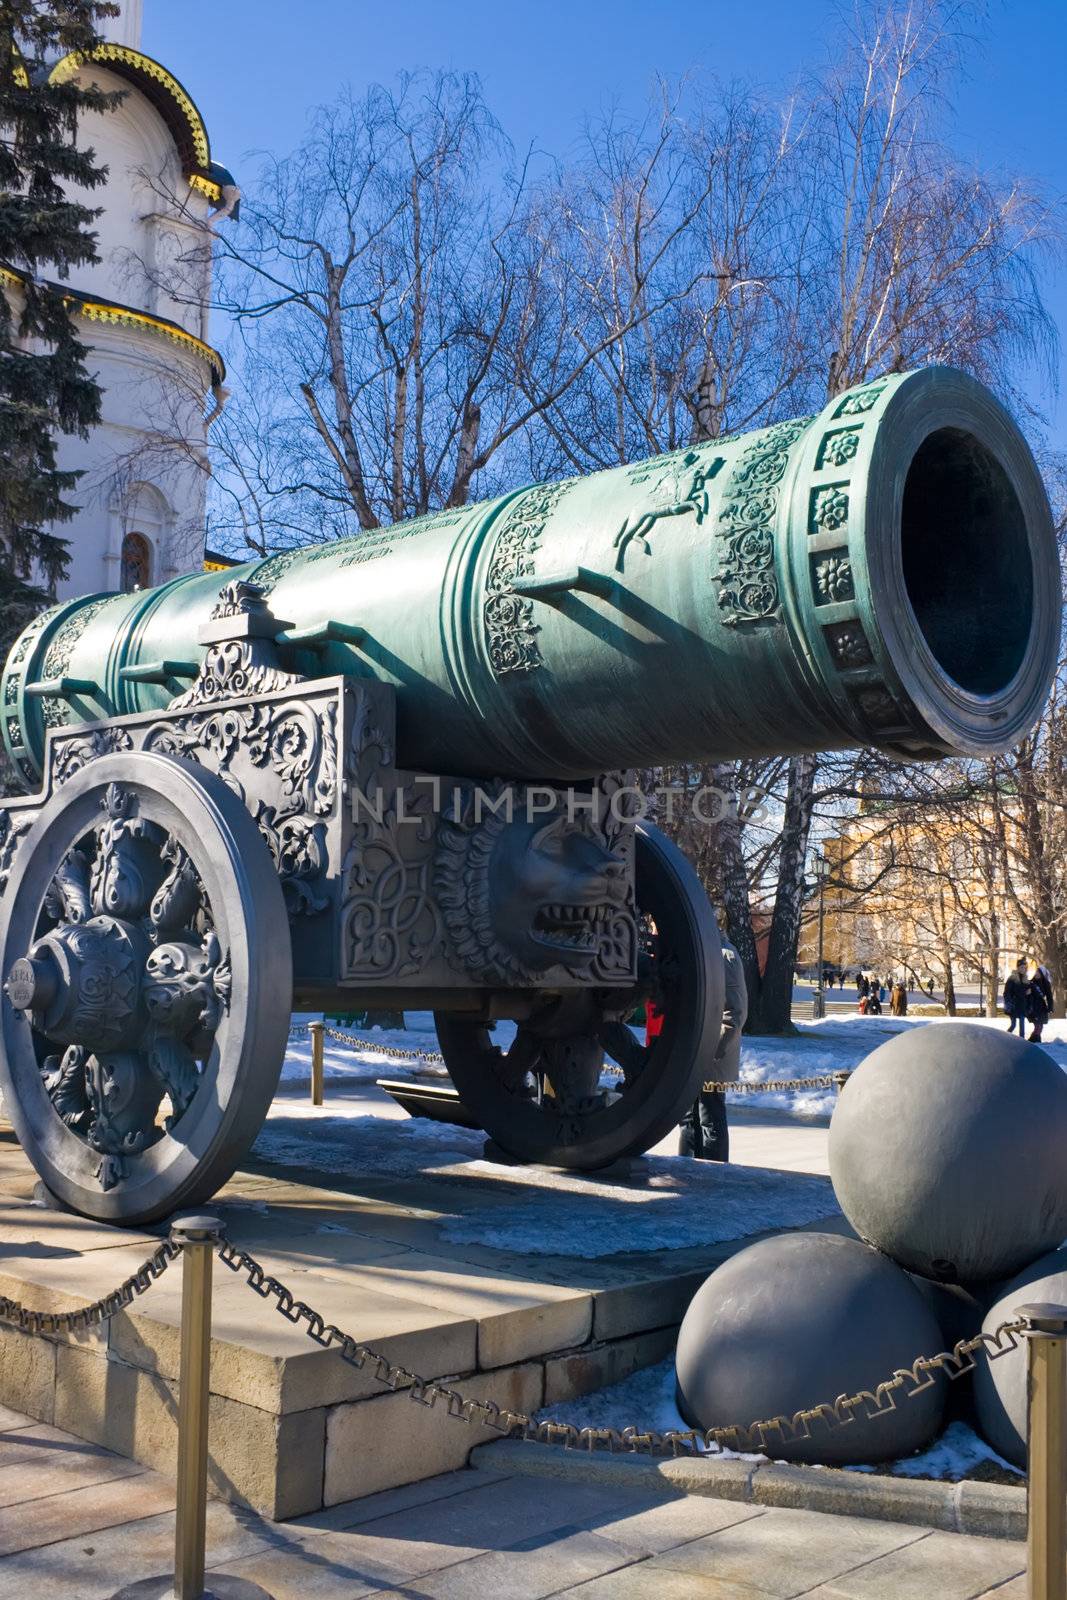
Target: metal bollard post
199, 1238
316, 1029
1046, 1451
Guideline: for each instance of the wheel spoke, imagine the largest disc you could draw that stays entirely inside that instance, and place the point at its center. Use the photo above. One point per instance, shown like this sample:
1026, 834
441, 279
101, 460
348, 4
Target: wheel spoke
621, 1046
118, 950
519, 1060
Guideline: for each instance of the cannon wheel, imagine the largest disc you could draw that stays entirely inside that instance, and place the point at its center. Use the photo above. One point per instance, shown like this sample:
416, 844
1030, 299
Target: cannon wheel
148, 987
544, 1100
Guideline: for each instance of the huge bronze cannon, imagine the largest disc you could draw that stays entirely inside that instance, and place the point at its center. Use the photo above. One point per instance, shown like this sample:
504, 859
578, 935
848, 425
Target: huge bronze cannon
391, 771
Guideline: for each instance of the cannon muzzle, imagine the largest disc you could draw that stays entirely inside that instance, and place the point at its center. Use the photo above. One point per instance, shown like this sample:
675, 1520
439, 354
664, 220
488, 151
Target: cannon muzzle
882, 574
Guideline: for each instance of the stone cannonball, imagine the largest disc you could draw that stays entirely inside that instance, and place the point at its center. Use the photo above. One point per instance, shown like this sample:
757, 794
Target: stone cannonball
947, 1151
1000, 1385
793, 1322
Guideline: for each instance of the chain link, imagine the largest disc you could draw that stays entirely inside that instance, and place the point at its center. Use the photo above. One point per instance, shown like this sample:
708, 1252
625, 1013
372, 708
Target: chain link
377, 1046
756, 1438
827, 1080
100, 1310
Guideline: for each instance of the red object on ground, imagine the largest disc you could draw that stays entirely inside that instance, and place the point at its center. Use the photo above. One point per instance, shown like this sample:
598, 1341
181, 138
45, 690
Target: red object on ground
653, 1022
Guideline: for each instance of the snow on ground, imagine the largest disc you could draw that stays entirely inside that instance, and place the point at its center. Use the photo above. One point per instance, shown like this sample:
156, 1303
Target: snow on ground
672, 1204
646, 1400
357, 1065
837, 1043
953, 1456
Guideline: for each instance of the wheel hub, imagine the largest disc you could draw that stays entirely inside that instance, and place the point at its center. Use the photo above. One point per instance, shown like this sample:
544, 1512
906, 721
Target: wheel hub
81, 983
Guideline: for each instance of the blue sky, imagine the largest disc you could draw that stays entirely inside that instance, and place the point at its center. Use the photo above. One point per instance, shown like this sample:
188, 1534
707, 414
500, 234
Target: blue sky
256, 68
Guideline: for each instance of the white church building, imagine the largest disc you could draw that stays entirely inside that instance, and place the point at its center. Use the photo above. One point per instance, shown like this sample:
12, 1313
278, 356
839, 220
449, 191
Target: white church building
143, 311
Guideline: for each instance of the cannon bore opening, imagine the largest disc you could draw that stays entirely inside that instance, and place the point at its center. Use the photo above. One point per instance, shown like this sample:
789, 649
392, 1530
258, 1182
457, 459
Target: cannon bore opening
966, 557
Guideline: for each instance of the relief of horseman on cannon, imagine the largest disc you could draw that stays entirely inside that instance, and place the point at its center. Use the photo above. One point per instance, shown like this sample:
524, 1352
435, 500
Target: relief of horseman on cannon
392, 771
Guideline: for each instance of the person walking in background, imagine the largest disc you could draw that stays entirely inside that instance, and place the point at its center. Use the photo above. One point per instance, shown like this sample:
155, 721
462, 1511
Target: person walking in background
1016, 991
1039, 1001
930, 987
898, 1000
705, 1132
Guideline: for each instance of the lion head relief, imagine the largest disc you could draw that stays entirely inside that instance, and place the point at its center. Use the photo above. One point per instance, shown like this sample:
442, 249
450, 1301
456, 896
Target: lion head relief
521, 896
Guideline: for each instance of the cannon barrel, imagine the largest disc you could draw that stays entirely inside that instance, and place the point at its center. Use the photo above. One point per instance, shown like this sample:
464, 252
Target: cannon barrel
882, 574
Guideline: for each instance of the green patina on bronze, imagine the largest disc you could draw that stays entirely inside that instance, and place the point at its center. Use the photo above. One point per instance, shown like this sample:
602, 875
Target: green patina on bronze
883, 573
296, 786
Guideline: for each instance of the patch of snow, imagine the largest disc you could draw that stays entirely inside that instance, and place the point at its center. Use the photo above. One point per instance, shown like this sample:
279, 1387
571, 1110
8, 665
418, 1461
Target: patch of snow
646, 1400
953, 1456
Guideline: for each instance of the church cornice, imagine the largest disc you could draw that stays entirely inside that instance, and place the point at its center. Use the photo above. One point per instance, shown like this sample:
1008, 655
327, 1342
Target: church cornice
94, 309
169, 97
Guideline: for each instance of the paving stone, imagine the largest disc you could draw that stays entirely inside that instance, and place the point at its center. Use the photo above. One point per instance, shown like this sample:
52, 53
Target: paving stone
527, 1571
39, 1441
54, 1471
83, 1510
352, 1561
1015, 1589
382, 1443
728, 1479
350, 1513
661, 1524
316, 1234
36, 1231
317, 1570
946, 1565
13, 1419
505, 1514
787, 1553
517, 1317
92, 1566
638, 1583
260, 1359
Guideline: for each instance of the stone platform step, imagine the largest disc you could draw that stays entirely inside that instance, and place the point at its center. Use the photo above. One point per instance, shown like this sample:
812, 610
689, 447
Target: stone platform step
292, 1427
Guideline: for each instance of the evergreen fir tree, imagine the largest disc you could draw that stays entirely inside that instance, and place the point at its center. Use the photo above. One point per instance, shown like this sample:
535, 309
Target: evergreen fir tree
45, 387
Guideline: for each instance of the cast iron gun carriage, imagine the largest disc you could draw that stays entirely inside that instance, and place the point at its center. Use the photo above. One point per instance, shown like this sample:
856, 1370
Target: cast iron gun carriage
390, 771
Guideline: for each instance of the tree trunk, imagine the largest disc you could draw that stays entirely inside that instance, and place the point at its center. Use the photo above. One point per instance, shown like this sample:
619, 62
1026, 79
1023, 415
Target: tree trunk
773, 1003
734, 878
950, 987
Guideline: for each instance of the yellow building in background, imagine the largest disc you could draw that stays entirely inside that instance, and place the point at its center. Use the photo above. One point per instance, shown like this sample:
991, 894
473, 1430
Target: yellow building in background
925, 890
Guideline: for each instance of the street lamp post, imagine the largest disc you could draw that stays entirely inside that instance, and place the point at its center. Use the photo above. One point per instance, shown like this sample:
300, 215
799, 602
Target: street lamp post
818, 1002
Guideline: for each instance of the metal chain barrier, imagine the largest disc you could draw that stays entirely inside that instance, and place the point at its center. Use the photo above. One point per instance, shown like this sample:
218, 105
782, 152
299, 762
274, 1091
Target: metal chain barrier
100, 1310
826, 1080
756, 1438
380, 1049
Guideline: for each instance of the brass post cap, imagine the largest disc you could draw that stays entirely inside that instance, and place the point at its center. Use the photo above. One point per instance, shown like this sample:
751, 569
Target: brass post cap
198, 1230
1044, 1317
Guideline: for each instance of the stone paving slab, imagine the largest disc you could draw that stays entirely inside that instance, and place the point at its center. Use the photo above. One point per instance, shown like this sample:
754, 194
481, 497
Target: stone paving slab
473, 1535
777, 1553
952, 1566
